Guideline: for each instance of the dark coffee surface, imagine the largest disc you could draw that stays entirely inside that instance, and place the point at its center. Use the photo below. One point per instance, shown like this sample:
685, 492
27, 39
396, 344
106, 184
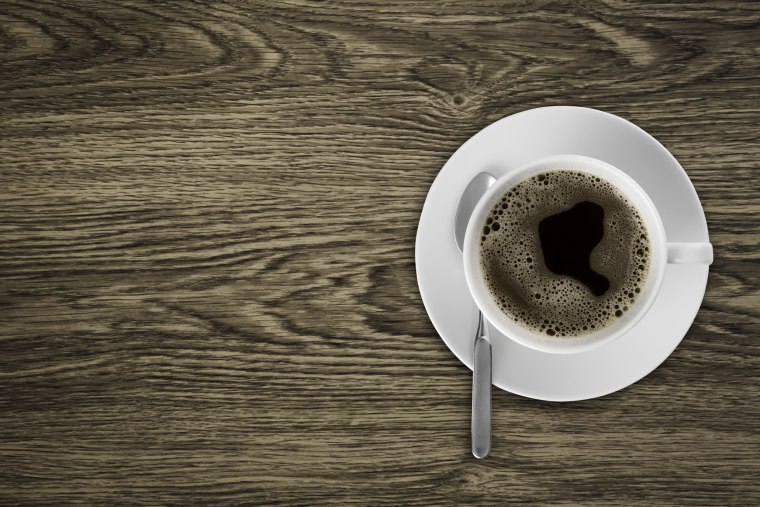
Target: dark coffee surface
567, 240
564, 253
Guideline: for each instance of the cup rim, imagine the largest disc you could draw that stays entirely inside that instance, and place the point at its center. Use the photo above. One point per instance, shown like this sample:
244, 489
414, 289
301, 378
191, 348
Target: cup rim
565, 345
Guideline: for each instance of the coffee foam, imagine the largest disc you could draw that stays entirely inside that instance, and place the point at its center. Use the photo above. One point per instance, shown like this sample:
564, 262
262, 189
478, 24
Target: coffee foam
512, 263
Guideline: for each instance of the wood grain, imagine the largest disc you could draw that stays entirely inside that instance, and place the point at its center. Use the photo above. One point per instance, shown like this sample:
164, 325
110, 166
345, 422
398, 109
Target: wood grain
207, 221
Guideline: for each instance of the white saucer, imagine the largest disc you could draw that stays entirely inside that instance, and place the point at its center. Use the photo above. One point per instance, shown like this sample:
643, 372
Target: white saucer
509, 143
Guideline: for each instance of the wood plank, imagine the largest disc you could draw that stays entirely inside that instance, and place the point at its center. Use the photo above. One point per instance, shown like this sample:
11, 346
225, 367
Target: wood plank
207, 220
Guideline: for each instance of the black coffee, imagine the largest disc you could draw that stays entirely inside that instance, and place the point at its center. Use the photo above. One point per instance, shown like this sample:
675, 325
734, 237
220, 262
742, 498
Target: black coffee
564, 253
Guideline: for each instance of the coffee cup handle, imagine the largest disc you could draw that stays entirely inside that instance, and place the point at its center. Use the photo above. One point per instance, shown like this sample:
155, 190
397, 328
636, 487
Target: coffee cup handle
690, 253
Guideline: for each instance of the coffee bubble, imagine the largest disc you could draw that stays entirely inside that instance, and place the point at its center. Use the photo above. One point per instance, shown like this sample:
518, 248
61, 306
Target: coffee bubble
565, 253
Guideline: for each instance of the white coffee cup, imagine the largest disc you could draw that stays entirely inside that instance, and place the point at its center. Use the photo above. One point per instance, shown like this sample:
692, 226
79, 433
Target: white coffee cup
661, 252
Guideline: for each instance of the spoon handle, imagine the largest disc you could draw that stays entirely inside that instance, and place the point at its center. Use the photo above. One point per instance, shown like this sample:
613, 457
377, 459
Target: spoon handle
481, 392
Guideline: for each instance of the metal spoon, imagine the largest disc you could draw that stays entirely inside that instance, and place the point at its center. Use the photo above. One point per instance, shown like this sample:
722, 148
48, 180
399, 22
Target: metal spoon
481, 363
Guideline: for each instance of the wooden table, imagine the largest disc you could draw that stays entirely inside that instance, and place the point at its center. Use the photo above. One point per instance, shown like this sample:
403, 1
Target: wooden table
207, 222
